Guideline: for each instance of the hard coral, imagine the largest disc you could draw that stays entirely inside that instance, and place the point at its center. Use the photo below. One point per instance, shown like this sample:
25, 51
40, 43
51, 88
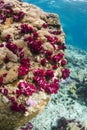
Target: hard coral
31, 49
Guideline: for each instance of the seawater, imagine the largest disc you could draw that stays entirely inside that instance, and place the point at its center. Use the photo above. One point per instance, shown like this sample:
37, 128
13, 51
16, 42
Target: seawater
73, 16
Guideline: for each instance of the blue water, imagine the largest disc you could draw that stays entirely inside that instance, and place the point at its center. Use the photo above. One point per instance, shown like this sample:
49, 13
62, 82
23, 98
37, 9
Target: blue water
73, 16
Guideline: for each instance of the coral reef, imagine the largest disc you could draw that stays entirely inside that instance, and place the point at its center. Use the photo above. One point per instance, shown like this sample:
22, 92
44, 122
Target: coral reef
32, 61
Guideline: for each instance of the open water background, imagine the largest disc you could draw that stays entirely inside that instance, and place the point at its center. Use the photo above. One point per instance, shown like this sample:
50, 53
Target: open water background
73, 16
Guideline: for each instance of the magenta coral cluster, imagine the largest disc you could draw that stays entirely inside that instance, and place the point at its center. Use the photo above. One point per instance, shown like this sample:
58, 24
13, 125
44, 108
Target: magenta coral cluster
56, 58
18, 16
62, 46
53, 87
49, 74
24, 67
43, 61
2, 18
65, 73
48, 54
12, 47
25, 28
40, 79
35, 46
39, 73
32, 42
1, 45
4, 91
16, 50
1, 80
8, 5
26, 88
63, 62
22, 70
56, 32
8, 37
1, 4
21, 52
52, 40
8, 12
45, 25
17, 107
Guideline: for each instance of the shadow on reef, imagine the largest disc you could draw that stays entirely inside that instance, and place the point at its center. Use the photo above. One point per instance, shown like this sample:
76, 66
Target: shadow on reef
65, 124
82, 89
79, 90
77, 62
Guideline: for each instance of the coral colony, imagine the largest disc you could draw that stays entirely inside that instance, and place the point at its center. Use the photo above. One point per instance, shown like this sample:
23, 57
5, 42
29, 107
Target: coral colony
43, 79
